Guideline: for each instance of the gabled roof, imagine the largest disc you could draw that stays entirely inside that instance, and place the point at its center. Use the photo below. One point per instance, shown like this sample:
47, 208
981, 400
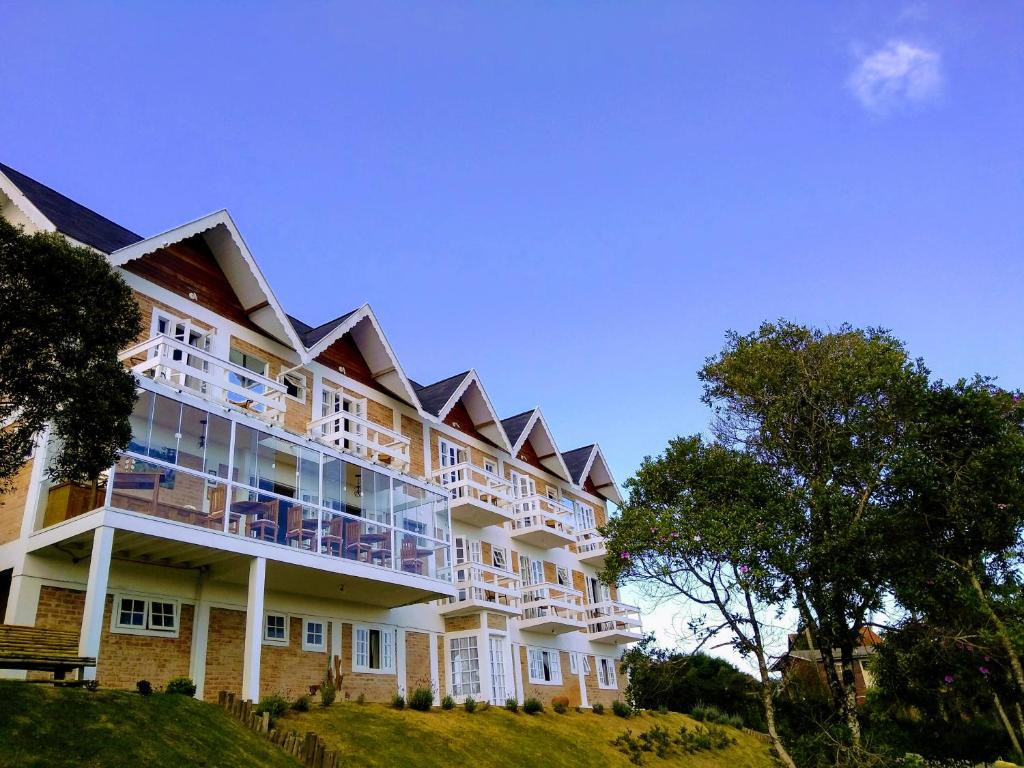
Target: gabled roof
66, 216
373, 346
238, 265
588, 461
439, 398
531, 426
310, 335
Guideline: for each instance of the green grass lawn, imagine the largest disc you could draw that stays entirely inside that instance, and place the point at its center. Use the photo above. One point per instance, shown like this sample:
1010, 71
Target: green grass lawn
57, 727
375, 736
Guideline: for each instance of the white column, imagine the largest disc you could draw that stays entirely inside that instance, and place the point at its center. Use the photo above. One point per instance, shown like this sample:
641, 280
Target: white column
253, 630
400, 660
96, 596
435, 678
200, 637
517, 672
335, 640
484, 656
584, 702
427, 453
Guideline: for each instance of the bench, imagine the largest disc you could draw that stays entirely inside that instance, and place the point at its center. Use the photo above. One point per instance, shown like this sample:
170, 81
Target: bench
36, 648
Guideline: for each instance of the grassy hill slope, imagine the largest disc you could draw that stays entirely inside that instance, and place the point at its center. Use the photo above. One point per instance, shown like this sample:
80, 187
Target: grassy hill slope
374, 736
58, 727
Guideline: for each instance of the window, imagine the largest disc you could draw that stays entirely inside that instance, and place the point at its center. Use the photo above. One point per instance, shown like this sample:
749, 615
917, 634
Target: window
313, 635
465, 666
242, 386
606, 673
552, 493
295, 386
586, 664
563, 577
584, 517
498, 558
544, 667
275, 629
374, 650
490, 466
141, 616
574, 663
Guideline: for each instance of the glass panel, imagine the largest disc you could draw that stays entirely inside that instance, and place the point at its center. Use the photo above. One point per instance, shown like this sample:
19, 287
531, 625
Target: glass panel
218, 445
334, 483
140, 421
309, 475
192, 444
413, 509
277, 465
163, 442
246, 444
142, 486
367, 493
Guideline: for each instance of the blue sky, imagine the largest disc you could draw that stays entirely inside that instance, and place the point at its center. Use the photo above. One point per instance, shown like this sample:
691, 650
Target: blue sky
577, 199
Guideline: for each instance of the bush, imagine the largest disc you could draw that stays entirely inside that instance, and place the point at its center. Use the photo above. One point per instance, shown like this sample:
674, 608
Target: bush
301, 704
422, 699
398, 701
182, 685
579, 710
598, 708
512, 705
560, 707
483, 706
361, 698
144, 687
327, 694
662, 709
630, 747
532, 706
275, 705
447, 703
622, 709
470, 704
92, 685
656, 740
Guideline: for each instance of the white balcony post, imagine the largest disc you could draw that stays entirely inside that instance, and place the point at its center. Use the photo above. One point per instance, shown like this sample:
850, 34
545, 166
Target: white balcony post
582, 680
200, 637
517, 672
253, 630
96, 597
484, 657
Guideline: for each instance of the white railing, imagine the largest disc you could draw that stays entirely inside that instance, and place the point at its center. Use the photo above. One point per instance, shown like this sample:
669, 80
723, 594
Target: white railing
467, 480
549, 601
358, 435
487, 583
201, 373
540, 513
609, 615
590, 542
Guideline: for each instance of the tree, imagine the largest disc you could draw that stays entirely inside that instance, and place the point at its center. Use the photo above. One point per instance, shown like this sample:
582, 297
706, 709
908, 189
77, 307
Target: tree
828, 412
64, 316
697, 524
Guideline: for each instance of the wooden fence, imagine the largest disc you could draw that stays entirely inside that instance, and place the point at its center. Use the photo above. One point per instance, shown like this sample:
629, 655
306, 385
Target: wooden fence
309, 749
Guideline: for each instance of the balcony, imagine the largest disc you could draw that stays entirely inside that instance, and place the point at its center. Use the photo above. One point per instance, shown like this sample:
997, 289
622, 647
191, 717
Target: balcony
551, 609
590, 545
483, 588
200, 373
355, 434
613, 623
543, 523
479, 497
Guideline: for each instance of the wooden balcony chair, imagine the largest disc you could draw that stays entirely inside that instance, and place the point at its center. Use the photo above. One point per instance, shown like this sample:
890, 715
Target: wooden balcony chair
296, 530
411, 562
332, 539
218, 496
262, 524
355, 547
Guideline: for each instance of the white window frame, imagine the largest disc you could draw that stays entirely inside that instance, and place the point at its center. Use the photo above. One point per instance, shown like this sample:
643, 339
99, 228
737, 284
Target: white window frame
361, 649
562, 576
606, 677
535, 662
276, 641
146, 629
498, 553
586, 665
317, 647
301, 385
574, 663
472, 643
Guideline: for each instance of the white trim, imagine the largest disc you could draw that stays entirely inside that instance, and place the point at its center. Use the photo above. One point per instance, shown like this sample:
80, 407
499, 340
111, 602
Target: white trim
553, 654
320, 647
608, 664
145, 630
536, 417
26, 206
282, 642
474, 378
388, 665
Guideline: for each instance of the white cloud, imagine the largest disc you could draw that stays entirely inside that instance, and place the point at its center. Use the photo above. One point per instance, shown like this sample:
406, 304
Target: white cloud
896, 74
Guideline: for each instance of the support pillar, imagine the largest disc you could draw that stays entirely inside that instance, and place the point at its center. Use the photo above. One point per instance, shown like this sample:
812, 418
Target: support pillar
253, 630
400, 661
96, 597
517, 672
200, 637
583, 681
435, 678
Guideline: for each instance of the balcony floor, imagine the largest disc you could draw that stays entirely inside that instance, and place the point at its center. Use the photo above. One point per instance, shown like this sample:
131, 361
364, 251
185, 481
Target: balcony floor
594, 558
615, 636
550, 625
474, 512
469, 607
154, 541
543, 537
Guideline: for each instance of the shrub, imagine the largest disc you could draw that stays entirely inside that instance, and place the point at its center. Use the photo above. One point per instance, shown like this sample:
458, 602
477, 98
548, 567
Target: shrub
532, 706
598, 708
579, 710
662, 709
630, 747
398, 701
327, 694
483, 706
361, 698
447, 703
734, 720
703, 739
511, 705
621, 708
422, 699
559, 707
470, 704
182, 685
275, 705
92, 685
656, 740
144, 687
301, 704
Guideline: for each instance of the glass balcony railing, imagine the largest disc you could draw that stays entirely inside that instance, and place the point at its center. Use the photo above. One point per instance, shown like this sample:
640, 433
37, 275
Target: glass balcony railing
192, 466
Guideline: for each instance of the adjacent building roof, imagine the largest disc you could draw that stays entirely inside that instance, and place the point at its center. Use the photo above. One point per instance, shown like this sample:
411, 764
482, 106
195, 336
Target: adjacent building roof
71, 218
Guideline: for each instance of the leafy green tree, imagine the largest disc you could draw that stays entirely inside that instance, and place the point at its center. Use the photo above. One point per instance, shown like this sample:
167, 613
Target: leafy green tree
698, 523
828, 412
64, 316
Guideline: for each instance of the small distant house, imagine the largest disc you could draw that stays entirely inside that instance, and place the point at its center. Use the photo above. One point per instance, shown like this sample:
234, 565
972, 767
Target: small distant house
803, 668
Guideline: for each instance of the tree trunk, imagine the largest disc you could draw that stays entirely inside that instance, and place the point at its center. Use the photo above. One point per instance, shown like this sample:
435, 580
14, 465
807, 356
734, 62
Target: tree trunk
850, 695
1006, 723
1004, 636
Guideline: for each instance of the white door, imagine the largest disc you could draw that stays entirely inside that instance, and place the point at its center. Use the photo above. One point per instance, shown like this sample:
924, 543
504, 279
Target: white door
499, 686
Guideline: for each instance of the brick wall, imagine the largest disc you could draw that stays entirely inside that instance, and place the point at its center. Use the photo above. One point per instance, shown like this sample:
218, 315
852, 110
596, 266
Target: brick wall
413, 429
442, 667
289, 671
570, 686
124, 659
417, 662
225, 647
12, 505
462, 623
380, 688
596, 694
